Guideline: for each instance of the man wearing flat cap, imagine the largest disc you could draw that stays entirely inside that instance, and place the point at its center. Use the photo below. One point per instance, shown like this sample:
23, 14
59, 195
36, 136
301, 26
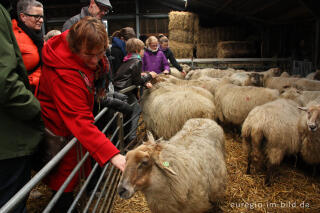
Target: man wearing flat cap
97, 9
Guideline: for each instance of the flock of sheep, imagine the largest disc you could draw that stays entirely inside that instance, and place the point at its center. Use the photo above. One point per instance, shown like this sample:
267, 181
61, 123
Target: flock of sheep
184, 170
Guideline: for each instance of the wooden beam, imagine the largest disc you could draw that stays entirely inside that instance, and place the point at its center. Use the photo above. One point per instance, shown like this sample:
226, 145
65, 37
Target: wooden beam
228, 2
316, 51
311, 8
263, 7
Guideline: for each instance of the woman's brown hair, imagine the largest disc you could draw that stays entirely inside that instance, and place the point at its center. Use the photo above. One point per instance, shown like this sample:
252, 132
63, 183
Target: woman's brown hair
89, 34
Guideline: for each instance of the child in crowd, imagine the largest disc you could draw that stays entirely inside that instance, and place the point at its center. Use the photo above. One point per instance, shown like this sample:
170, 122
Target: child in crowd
164, 47
129, 73
154, 59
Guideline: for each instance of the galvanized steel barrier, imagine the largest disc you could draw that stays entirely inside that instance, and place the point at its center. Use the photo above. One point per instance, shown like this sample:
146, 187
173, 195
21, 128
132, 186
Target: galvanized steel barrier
109, 175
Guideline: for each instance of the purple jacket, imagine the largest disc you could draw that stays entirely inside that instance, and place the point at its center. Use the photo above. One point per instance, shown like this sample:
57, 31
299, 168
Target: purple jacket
155, 61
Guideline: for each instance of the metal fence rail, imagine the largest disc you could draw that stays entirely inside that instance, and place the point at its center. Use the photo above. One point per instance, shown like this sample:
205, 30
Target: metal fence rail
108, 178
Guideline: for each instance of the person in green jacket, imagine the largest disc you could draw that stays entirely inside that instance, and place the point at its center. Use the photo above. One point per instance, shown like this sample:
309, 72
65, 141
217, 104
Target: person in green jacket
21, 126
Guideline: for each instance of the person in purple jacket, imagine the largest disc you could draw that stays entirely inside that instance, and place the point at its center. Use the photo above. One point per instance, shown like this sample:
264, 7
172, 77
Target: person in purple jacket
154, 59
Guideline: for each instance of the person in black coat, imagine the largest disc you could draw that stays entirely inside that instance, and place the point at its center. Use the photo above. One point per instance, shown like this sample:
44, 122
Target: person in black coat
128, 74
164, 47
118, 49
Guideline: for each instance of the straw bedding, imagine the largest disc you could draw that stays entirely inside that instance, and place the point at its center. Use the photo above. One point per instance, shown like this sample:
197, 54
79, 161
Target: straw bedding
294, 190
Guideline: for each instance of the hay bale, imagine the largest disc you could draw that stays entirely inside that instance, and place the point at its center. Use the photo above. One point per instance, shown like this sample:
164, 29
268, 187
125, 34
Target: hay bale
235, 49
181, 36
181, 50
207, 50
182, 21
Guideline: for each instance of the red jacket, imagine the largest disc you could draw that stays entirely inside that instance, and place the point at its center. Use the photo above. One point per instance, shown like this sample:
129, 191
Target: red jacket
30, 54
67, 104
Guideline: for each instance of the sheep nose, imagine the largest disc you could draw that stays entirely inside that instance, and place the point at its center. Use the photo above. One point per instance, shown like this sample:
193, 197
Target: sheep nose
312, 127
122, 191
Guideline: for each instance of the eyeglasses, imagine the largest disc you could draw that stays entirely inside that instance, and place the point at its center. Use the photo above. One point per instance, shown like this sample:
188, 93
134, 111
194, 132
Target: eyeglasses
36, 17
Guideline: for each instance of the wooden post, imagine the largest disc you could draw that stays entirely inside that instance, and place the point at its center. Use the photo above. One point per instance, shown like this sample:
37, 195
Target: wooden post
137, 19
316, 49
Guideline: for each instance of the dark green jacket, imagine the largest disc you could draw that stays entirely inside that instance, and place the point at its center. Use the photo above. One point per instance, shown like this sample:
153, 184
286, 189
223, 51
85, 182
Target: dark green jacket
19, 130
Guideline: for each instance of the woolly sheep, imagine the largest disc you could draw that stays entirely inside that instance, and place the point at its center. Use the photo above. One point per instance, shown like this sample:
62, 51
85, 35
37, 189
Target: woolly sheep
301, 97
279, 82
247, 79
166, 108
269, 133
233, 103
176, 73
306, 84
185, 174
309, 130
209, 72
314, 75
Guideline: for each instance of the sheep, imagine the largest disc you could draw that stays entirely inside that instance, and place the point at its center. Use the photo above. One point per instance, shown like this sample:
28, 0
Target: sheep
207, 83
306, 84
269, 133
301, 97
279, 82
233, 103
166, 108
209, 72
247, 79
184, 174
314, 75
285, 75
176, 73
309, 130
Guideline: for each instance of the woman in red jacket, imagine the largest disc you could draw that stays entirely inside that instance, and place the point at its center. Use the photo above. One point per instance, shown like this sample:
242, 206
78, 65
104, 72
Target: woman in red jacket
73, 63
27, 30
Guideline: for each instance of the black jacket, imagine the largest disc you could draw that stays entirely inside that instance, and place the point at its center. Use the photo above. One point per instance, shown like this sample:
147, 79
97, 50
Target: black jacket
129, 73
169, 55
117, 58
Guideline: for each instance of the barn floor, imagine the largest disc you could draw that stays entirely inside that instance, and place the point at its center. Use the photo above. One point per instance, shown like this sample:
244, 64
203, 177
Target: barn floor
294, 189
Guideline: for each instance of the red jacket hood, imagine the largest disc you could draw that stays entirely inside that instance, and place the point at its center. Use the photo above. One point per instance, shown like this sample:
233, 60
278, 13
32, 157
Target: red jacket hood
57, 54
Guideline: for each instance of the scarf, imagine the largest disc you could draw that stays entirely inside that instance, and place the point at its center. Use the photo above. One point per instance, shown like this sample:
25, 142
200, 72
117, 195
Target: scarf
37, 39
131, 56
153, 51
117, 42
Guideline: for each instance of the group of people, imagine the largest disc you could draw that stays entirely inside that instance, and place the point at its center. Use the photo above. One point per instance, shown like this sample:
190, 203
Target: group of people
55, 84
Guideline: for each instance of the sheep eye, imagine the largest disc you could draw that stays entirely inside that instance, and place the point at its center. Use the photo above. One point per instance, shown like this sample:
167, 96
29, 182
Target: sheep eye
143, 164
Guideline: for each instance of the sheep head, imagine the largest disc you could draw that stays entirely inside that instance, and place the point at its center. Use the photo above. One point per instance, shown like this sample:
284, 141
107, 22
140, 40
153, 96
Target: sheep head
313, 117
256, 79
139, 163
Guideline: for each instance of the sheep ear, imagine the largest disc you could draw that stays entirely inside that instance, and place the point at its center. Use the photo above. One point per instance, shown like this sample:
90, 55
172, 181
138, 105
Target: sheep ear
150, 137
303, 108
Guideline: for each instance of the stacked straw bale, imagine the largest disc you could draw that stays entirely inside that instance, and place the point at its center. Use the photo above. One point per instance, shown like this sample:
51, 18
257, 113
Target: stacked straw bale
235, 49
209, 38
183, 26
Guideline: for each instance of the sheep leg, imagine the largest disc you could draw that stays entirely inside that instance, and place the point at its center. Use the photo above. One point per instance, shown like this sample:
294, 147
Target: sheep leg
269, 176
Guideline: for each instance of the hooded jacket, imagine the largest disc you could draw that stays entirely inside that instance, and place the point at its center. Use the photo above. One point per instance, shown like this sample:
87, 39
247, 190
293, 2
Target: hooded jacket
20, 132
67, 100
155, 61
